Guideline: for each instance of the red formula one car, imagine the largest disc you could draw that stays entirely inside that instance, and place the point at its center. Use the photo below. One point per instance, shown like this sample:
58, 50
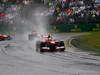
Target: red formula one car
4, 37
50, 45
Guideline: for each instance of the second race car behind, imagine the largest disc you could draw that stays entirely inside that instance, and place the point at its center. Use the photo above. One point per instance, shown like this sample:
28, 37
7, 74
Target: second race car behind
5, 37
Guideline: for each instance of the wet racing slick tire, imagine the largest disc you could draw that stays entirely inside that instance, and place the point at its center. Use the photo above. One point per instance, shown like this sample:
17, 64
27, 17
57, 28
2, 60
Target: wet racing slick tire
8, 38
30, 37
39, 46
42, 45
61, 44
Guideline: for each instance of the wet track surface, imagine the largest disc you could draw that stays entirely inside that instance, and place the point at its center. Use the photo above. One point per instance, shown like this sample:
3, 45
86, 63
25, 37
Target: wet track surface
18, 57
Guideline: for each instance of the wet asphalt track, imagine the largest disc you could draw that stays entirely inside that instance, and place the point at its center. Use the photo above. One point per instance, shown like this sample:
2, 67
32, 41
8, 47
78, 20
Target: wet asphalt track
18, 57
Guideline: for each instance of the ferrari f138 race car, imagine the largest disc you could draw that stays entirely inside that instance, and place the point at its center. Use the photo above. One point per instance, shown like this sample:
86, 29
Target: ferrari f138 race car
50, 45
4, 37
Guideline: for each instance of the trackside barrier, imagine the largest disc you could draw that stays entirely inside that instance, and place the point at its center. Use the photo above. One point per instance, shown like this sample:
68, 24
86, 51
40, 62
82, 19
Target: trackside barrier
76, 27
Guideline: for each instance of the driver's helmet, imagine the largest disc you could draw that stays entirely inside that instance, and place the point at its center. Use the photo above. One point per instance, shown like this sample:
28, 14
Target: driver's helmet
49, 37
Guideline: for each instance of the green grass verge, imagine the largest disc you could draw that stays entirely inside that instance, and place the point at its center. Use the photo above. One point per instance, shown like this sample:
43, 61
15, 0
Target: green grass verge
89, 42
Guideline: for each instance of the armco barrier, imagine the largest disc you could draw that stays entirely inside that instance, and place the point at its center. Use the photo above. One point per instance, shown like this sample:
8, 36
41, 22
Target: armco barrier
76, 27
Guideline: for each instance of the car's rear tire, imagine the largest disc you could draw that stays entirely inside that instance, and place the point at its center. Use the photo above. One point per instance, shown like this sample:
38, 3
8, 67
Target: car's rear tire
42, 45
8, 38
30, 37
62, 44
2, 39
39, 46
41, 51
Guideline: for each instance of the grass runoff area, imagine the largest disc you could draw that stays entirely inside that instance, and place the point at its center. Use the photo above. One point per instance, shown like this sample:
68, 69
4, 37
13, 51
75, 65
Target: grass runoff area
89, 42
